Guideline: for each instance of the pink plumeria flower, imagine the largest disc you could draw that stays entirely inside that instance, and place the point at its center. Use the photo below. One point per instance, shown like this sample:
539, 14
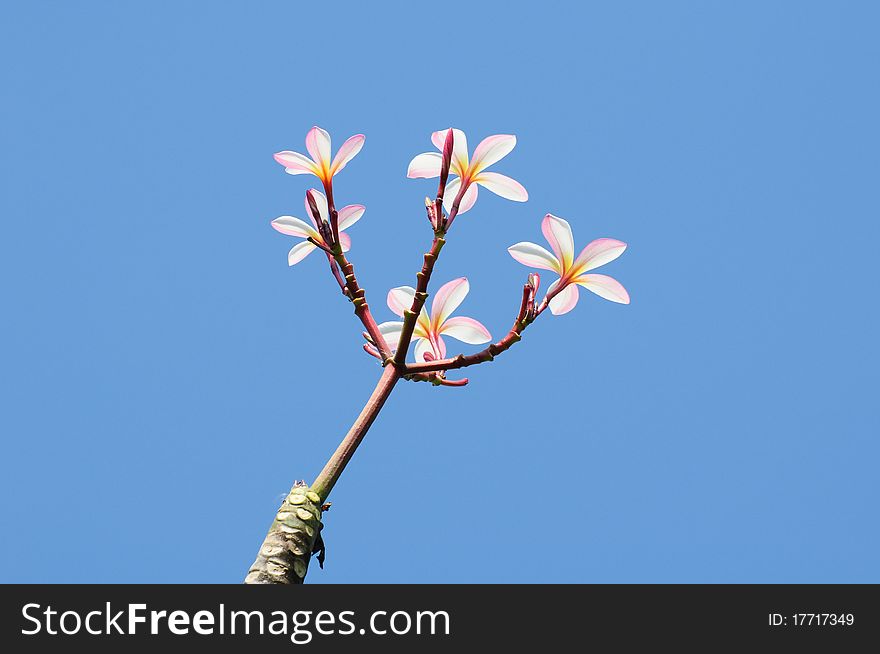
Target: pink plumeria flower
291, 226
430, 329
470, 173
571, 269
320, 164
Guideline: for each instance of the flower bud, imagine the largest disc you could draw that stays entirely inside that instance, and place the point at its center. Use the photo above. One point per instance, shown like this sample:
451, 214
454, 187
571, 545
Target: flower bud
534, 282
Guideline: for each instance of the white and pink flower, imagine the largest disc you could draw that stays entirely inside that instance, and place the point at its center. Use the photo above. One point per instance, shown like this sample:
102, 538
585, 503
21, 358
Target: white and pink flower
292, 226
431, 328
320, 163
572, 270
470, 173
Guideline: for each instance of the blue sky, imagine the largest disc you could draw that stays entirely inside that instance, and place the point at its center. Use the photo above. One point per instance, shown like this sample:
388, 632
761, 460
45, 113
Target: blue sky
165, 375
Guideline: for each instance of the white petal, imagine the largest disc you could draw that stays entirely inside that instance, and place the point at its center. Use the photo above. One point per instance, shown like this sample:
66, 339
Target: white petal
557, 231
469, 199
400, 299
466, 330
299, 252
532, 254
345, 241
503, 185
451, 193
422, 345
295, 163
448, 298
318, 145
347, 152
491, 150
349, 215
295, 227
605, 287
565, 300
598, 253
391, 332
425, 165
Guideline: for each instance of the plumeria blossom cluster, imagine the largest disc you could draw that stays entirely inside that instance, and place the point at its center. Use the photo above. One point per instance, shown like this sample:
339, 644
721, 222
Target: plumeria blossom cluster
460, 175
327, 222
285, 553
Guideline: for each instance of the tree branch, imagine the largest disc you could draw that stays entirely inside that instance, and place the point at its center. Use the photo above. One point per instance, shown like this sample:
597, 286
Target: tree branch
524, 318
422, 279
357, 296
328, 477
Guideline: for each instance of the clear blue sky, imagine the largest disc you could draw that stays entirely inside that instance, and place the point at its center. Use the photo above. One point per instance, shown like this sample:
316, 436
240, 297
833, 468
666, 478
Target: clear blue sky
165, 375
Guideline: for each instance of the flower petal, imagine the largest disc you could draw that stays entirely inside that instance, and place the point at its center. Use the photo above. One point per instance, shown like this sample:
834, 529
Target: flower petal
295, 163
391, 332
564, 301
318, 145
425, 165
400, 299
491, 150
604, 286
459, 162
466, 330
440, 349
469, 199
299, 252
598, 253
347, 152
295, 227
451, 193
349, 215
345, 241
502, 185
320, 202
447, 299
532, 254
558, 233
423, 324
438, 138
422, 345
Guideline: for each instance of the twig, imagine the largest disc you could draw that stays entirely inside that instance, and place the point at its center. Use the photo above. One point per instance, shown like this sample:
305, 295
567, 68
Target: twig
424, 275
357, 295
523, 319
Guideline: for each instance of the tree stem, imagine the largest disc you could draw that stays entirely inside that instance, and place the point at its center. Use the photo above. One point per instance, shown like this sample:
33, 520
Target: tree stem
328, 477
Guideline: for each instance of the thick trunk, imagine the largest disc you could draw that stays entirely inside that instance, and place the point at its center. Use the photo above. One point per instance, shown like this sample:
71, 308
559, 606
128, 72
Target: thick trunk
296, 531
285, 553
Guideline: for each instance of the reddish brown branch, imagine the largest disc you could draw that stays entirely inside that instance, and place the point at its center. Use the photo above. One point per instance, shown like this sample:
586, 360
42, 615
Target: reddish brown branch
437, 379
334, 268
357, 295
422, 279
523, 319
343, 270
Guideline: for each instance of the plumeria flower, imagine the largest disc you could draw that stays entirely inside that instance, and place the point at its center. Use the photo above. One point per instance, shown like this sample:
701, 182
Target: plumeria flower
430, 329
572, 270
470, 173
291, 226
320, 165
